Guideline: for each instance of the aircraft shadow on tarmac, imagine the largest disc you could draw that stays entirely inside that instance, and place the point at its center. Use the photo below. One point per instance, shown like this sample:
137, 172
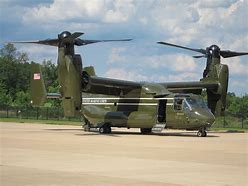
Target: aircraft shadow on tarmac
122, 133
65, 129
94, 132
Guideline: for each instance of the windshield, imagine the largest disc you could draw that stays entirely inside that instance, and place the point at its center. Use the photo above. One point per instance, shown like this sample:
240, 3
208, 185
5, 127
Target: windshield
195, 103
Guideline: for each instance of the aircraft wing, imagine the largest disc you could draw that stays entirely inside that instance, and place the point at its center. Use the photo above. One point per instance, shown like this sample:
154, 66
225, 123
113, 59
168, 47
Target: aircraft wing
117, 87
99, 85
108, 82
189, 87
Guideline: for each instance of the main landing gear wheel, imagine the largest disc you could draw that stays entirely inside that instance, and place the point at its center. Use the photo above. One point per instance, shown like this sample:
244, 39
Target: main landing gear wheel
105, 129
202, 133
145, 130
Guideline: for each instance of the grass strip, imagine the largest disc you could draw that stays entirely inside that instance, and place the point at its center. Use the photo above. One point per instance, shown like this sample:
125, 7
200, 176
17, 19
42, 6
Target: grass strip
51, 122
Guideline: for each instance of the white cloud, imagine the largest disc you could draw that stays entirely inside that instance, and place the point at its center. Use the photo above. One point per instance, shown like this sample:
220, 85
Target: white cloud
205, 22
62, 10
173, 62
136, 75
77, 10
238, 86
39, 53
224, 25
183, 63
124, 74
143, 21
115, 55
121, 11
216, 3
115, 17
236, 67
186, 76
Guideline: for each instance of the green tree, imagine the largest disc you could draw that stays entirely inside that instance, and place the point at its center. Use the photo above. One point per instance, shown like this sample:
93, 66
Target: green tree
15, 77
5, 99
49, 71
230, 98
239, 106
14, 71
9, 51
54, 102
22, 99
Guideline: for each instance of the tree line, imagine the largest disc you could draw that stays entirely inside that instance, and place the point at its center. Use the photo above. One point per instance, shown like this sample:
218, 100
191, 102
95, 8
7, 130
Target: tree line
15, 72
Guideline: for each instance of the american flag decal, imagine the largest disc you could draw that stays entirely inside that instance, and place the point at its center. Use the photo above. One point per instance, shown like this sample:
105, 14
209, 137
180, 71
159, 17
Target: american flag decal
36, 76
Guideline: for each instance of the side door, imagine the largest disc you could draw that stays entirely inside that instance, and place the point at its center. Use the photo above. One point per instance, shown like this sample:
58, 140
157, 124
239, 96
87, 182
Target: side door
161, 111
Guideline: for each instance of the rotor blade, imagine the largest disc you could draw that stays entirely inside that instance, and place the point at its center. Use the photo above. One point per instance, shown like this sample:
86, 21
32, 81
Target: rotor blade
72, 37
178, 46
51, 42
76, 35
228, 53
80, 42
199, 56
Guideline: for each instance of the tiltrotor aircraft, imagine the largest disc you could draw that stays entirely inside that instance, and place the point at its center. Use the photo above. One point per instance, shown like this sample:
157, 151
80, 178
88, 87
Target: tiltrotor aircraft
152, 107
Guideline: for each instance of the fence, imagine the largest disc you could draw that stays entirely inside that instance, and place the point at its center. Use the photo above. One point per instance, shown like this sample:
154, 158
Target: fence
56, 113
38, 113
231, 121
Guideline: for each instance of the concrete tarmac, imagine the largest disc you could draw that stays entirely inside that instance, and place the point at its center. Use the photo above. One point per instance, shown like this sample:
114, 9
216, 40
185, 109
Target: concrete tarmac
39, 154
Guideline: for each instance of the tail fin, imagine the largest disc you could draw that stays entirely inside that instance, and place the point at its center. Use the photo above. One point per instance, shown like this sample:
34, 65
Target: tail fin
38, 90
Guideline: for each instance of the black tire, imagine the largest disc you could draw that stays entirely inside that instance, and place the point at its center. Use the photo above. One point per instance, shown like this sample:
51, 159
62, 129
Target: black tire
102, 130
109, 130
204, 133
145, 130
201, 133
105, 129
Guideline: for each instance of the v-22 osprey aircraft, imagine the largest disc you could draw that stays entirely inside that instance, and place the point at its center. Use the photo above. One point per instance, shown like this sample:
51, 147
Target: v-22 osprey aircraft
152, 107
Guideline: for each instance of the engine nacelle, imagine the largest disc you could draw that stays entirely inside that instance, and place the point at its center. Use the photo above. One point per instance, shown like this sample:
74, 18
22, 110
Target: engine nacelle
70, 82
217, 98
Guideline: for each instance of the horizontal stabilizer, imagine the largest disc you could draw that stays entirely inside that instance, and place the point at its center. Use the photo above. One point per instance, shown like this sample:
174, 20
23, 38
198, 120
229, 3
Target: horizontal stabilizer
53, 95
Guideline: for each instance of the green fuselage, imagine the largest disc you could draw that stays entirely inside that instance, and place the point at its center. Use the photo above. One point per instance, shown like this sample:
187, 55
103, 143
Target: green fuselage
174, 110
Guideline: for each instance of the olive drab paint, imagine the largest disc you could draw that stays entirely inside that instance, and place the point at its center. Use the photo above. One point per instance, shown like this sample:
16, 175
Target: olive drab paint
38, 91
69, 75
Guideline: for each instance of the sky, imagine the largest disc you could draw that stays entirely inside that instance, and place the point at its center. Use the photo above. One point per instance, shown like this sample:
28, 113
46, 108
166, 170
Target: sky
192, 23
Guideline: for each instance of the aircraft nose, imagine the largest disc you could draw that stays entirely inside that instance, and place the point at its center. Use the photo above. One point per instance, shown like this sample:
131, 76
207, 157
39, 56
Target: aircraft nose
210, 119
206, 117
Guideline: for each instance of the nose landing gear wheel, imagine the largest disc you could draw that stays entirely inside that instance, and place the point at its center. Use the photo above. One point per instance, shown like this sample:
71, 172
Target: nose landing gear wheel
202, 133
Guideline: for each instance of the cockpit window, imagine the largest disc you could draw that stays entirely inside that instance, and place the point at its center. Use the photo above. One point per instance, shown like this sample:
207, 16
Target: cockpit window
178, 104
189, 103
186, 106
196, 102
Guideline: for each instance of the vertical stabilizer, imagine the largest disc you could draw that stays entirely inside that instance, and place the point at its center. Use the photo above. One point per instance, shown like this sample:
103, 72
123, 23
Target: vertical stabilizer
38, 90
